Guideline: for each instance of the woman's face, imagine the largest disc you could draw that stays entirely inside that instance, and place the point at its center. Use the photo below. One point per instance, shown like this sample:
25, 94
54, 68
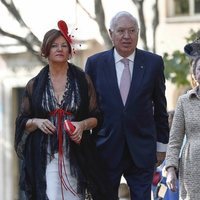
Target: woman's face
197, 71
59, 51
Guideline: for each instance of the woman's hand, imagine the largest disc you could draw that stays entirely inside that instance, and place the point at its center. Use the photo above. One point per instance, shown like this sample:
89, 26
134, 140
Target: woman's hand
44, 125
171, 179
81, 126
76, 136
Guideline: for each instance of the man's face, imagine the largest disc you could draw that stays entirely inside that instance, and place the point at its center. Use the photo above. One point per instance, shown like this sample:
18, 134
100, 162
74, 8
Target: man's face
125, 36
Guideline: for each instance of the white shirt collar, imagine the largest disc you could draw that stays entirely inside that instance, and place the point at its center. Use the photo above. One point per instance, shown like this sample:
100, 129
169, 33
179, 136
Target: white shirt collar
118, 57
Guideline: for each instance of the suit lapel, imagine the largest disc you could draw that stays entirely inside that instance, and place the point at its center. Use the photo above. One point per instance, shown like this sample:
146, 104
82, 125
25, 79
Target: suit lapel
111, 76
137, 76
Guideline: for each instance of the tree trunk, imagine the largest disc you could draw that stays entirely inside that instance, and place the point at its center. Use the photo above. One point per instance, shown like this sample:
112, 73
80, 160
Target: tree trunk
100, 19
155, 23
139, 5
31, 42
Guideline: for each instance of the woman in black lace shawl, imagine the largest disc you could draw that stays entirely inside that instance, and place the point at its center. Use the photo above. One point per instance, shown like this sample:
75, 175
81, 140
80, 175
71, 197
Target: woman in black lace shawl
57, 165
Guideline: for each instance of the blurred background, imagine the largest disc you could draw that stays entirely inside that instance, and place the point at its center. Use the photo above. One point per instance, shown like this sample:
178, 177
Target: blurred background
165, 27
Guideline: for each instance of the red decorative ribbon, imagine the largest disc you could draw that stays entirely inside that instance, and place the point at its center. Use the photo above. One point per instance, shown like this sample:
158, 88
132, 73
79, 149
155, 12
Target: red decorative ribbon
60, 113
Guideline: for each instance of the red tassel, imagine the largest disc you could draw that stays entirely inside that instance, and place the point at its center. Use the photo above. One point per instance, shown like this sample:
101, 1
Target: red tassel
61, 165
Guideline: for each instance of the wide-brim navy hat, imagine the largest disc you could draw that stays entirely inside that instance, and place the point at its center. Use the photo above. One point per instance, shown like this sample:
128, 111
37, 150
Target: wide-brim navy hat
192, 50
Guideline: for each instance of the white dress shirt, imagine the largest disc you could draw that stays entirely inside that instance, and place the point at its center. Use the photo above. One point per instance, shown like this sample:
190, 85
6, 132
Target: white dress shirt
120, 66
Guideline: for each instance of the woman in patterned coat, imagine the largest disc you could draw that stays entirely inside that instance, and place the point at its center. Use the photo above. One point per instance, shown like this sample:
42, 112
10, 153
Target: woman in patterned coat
186, 122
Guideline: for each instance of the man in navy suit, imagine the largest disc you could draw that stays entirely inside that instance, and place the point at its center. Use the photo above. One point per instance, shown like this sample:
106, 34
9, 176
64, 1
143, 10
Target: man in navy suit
132, 130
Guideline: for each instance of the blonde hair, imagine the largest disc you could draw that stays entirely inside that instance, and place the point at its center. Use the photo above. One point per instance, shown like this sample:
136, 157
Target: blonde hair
194, 62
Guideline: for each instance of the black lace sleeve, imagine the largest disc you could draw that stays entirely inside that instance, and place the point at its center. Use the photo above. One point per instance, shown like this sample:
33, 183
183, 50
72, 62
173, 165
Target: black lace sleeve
24, 114
93, 107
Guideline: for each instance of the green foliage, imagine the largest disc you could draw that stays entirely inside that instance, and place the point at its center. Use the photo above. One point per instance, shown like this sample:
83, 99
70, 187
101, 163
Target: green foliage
177, 65
177, 68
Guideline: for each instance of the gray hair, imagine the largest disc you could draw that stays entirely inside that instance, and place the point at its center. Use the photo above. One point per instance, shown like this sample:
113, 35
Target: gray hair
114, 20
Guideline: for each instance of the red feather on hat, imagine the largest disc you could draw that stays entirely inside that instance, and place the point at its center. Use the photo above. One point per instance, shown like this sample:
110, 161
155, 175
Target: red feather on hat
64, 30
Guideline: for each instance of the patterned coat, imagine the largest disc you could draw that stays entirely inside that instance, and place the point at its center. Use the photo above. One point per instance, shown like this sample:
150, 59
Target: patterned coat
186, 122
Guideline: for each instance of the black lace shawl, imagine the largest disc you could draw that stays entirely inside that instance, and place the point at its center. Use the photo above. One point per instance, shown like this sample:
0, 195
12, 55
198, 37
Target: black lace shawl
32, 148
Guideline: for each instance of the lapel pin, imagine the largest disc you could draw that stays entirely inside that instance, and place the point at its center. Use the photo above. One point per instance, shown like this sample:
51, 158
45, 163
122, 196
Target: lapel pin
141, 67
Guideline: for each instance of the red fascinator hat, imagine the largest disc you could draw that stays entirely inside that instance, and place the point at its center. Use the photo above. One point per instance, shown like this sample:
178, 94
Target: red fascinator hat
64, 30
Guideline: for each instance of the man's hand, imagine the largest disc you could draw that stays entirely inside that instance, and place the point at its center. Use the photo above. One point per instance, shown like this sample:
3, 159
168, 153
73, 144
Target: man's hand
160, 158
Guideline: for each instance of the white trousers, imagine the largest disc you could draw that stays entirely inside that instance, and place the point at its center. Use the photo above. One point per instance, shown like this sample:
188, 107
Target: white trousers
54, 186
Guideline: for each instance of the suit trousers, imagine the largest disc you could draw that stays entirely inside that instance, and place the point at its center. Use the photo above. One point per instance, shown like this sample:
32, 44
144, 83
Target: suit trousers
138, 179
